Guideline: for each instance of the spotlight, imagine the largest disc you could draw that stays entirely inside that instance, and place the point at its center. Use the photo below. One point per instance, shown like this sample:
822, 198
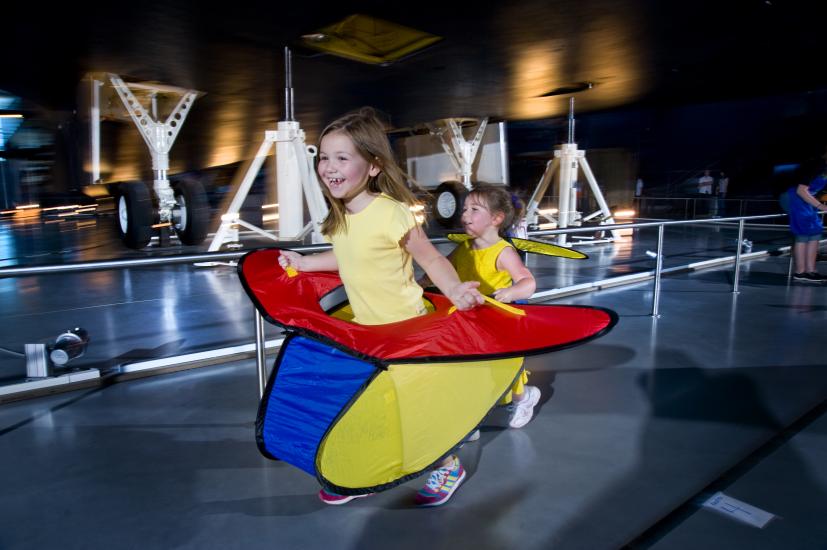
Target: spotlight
69, 345
41, 358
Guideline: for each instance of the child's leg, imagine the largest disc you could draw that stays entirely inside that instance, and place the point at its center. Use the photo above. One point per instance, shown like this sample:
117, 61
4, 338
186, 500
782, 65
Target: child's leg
517, 388
441, 483
524, 398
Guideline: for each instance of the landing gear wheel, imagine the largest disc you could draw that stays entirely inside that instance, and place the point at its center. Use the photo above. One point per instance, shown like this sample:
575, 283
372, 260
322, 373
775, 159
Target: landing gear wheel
135, 214
448, 203
191, 214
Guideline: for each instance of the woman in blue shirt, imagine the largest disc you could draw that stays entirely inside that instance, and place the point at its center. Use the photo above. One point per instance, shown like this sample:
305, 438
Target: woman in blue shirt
800, 202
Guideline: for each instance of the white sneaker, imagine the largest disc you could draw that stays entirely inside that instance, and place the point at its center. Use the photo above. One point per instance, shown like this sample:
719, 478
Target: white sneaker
523, 410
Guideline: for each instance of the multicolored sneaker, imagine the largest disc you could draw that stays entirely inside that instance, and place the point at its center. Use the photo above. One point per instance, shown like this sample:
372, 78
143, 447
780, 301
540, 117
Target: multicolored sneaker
441, 484
335, 499
523, 410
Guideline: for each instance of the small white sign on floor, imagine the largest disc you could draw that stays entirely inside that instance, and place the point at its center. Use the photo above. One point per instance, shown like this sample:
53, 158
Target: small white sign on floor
738, 510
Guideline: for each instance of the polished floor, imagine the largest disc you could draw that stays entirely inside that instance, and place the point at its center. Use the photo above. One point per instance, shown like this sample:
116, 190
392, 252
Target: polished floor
723, 392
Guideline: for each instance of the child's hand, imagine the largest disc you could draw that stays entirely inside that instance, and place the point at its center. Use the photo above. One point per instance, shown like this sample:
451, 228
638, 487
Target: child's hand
504, 295
466, 296
288, 258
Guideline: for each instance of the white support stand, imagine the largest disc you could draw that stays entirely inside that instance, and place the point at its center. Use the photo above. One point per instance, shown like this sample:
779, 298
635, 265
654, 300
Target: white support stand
296, 173
296, 176
462, 152
568, 159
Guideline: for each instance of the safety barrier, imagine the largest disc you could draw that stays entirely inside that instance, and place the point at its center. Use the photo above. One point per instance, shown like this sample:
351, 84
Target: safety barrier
260, 344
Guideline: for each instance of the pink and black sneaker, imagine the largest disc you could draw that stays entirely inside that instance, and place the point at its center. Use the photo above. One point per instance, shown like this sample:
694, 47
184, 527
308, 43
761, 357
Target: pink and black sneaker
335, 499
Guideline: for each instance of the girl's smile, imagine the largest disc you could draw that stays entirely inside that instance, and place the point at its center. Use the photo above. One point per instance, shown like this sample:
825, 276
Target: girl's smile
343, 170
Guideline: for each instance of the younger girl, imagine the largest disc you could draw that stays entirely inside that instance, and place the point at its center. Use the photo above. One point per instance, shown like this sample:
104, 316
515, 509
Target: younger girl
375, 237
487, 215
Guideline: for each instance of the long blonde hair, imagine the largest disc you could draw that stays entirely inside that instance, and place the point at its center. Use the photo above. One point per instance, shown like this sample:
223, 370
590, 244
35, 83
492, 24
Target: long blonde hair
366, 131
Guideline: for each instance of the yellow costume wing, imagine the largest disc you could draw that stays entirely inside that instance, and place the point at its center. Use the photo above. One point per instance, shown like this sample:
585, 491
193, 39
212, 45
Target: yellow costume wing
529, 245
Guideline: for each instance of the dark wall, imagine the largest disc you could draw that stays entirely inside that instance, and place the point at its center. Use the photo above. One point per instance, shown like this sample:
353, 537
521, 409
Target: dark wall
745, 138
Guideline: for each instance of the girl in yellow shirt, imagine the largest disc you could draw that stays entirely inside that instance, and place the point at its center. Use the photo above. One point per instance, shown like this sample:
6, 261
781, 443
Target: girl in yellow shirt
375, 238
487, 214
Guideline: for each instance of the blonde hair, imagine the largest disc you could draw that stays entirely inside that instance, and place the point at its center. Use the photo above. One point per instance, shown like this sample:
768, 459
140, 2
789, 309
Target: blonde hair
499, 200
367, 132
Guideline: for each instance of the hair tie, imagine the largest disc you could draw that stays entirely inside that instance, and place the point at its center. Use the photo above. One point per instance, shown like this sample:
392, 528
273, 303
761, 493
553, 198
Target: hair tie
515, 201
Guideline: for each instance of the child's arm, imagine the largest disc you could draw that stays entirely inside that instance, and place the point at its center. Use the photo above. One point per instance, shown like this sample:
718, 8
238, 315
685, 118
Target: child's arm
440, 271
425, 281
523, 285
803, 191
323, 261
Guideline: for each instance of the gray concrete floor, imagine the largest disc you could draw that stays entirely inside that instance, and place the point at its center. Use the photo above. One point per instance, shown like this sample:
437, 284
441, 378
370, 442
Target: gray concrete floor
632, 430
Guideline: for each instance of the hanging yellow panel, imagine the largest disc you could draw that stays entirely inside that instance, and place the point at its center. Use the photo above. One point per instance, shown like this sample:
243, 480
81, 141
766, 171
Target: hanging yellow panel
369, 40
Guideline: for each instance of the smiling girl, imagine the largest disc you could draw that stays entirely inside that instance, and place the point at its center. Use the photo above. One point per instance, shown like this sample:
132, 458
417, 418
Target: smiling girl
375, 239
487, 215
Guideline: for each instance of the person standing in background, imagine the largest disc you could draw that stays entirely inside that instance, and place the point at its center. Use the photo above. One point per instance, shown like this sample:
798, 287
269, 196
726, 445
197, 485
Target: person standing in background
806, 225
723, 185
705, 184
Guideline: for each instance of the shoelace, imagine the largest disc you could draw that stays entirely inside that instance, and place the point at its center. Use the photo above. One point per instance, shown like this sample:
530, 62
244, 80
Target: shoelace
437, 478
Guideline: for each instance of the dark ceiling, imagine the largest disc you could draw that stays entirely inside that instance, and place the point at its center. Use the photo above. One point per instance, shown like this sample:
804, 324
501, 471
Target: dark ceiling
496, 59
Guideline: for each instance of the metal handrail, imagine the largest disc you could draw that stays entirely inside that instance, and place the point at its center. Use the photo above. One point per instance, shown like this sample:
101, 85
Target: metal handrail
219, 256
607, 227
259, 325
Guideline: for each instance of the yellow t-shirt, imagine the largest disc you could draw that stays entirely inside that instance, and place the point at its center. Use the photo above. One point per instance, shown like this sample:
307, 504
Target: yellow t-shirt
481, 265
377, 272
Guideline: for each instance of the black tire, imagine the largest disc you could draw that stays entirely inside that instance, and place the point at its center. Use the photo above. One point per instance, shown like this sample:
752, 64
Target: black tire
191, 216
448, 199
134, 214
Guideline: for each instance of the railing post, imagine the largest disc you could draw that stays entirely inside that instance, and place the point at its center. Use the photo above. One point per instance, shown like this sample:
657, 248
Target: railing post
738, 246
261, 368
658, 268
790, 264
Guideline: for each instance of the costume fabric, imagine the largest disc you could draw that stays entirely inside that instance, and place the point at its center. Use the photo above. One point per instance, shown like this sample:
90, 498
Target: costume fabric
481, 265
356, 406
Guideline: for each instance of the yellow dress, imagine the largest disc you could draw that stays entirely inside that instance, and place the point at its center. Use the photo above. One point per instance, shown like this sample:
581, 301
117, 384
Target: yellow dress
481, 265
